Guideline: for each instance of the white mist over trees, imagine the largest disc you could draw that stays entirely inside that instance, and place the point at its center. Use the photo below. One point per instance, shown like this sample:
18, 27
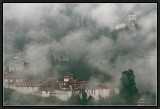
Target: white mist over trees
43, 31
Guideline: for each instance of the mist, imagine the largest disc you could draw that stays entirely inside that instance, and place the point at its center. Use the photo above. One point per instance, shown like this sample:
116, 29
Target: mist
43, 31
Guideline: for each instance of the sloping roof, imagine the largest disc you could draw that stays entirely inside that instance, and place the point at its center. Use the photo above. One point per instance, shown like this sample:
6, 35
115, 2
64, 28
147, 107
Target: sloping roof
13, 75
78, 82
32, 81
45, 89
52, 78
98, 85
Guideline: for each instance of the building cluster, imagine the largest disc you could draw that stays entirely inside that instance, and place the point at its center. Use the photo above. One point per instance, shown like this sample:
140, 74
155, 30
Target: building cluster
55, 87
132, 22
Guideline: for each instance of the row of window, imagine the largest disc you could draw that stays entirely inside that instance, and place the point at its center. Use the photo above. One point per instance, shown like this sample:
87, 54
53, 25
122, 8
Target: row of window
36, 84
92, 91
11, 80
63, 83
6, 80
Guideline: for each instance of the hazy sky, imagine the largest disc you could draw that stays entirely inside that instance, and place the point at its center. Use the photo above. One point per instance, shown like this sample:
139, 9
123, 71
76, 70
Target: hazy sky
37, 29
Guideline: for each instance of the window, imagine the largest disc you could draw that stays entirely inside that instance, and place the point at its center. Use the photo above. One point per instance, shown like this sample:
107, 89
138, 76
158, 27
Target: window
17, 80
6, 80
65, 79
11, 80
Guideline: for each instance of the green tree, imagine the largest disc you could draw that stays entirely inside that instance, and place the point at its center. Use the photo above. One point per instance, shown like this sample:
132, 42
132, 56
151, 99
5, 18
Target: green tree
83, 100
86, 100
75, 99
90, 100
128, 89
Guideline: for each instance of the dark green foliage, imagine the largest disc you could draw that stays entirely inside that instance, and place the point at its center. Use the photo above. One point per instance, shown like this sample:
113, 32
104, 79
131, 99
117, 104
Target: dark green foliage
84, 72
74, 100
83, 100
84, 94
128, 89
90, 100
86, 100
20, 42
78, 67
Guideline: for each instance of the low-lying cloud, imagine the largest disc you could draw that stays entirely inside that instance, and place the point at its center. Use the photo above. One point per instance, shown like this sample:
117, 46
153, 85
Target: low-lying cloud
84, 32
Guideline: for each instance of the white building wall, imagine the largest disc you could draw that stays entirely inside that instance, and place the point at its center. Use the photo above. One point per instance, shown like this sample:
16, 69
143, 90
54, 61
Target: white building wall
10, 80
63, 95
98, 92
35, 89
5, 80
30, 89
96, 96
66, 79
45, 93
17, 80
22, 89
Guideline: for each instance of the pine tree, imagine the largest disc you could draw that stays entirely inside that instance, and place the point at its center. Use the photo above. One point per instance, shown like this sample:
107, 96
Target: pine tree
84, 97
128, 89
86, 100
75, 99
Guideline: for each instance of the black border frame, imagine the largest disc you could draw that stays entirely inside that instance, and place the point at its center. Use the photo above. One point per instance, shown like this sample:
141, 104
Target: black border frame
80, 1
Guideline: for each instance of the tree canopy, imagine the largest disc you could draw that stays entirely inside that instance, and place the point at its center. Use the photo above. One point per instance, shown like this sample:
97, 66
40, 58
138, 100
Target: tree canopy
128, 89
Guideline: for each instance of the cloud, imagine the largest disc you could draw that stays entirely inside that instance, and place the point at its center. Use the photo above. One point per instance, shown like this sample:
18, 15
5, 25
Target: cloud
40, 29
